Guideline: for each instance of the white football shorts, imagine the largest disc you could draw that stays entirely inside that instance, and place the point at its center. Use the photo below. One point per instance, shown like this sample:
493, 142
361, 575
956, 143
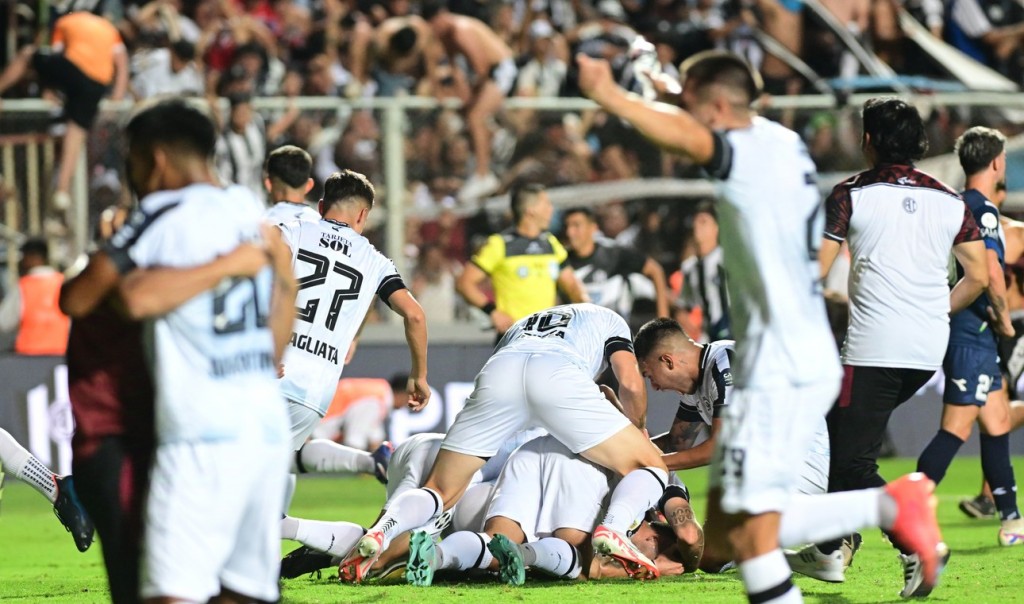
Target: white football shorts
766, 439
516, 390
544, 487
213, 518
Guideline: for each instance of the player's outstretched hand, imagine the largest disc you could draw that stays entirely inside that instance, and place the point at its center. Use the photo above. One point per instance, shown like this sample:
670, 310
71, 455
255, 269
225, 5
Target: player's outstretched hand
595, 77
419, 393
612, 397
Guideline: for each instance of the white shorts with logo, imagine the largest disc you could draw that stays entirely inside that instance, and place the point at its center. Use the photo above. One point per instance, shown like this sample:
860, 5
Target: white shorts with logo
213, 518
517, 390
544, 487
814, 474
303, 421
411, 462
764, 444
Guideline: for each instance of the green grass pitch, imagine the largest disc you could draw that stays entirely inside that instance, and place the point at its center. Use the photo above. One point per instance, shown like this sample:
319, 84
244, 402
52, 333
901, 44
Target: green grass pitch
38, 561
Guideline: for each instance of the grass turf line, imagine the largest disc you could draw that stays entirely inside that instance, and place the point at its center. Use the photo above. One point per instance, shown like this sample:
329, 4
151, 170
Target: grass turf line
39, 563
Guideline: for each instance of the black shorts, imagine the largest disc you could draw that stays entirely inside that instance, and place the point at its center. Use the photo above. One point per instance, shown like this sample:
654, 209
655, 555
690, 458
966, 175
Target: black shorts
82, 94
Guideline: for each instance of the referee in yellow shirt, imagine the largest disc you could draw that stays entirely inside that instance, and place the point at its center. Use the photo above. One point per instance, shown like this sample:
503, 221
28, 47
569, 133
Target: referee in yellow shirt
526, 264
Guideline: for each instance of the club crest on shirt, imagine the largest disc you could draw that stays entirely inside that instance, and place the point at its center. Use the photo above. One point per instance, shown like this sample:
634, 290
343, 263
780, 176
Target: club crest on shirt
909, 205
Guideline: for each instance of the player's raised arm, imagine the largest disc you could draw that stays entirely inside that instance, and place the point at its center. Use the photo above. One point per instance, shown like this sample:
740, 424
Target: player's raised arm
666, 125
81, 294
411, 312
632, 389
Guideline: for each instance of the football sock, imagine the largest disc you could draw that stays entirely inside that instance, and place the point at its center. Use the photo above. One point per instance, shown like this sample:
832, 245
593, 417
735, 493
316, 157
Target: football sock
412, 509
995, 464
335, 538
322, 456
815, 518
636, 493
767, 578
462, 551
553, 556
937, 456
24, 466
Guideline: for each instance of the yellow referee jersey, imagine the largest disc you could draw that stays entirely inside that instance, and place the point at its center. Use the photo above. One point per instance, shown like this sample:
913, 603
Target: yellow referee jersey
524, 271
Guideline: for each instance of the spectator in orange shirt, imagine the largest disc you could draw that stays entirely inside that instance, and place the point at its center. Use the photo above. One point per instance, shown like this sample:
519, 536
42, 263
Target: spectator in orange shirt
31, 307
86, 57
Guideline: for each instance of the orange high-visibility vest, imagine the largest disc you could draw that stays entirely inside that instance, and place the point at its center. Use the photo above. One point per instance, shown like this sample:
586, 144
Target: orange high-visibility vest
44, 328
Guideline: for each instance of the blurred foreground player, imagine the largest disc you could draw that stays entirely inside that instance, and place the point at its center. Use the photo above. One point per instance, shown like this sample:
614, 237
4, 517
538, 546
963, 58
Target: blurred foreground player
768, 207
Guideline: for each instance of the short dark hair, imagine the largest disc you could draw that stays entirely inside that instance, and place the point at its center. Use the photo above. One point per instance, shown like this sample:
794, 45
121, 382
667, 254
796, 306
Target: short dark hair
430, 8
724, 69
522, 194
403, 41
290, 165
896, 130
706, 207
173, 122
184, 50
346, 186
399, 382
977, 147
587, 213
37, 247
652, 333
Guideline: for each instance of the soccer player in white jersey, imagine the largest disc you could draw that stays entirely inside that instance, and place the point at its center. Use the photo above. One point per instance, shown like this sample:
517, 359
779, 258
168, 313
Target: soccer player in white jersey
213, 511
339, 274
786, 372
542, 374
286, 176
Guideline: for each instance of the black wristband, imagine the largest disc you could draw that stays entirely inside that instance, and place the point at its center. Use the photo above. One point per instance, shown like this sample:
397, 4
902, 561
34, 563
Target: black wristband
488, 308
672, 491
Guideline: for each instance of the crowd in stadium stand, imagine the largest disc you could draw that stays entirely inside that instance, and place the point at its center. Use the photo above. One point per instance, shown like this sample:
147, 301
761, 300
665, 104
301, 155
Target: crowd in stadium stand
245, 49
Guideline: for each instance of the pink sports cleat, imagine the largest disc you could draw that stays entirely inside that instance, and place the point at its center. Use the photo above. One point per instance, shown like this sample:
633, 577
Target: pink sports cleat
618, 546
355, 568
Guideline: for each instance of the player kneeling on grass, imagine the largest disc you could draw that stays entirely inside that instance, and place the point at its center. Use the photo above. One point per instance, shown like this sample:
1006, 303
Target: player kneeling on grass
543, 510
326, 543
542, 375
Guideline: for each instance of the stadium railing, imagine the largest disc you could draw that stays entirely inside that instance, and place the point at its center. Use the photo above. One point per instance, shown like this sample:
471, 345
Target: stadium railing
31, 156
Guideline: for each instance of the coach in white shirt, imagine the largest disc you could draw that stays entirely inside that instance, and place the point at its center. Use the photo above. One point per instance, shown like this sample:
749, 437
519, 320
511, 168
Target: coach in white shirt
901, 225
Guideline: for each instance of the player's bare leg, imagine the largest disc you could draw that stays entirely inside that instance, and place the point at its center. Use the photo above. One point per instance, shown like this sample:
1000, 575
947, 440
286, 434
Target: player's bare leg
72, 147
481, 110
448, 479
631, 455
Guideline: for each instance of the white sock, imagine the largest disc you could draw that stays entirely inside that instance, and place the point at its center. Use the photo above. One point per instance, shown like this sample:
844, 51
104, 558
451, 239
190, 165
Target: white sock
412, 509
553, 556
767, 579
321, 456
335, 538
25, 467
636, 493
817, 518
463, 550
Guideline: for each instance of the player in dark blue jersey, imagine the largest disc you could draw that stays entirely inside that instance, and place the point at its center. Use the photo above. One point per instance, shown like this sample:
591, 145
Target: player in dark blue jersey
973, 390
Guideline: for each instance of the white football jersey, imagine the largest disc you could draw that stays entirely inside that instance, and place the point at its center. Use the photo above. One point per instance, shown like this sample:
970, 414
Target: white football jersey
586, 333
338, 272
284, 212
771, 219
213, 356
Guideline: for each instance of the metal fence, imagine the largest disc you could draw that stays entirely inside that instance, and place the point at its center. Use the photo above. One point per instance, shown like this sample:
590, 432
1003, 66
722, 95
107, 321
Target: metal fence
28, 158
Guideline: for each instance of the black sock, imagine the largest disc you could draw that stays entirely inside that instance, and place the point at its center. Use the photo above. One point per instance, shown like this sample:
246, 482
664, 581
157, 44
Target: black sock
828, 547
995, 463
937, 456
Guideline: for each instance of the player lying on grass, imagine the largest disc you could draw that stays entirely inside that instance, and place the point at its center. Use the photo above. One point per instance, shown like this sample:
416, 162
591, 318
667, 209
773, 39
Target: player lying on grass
59, 490
326, 543
542, 374
550, 500
701, 373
